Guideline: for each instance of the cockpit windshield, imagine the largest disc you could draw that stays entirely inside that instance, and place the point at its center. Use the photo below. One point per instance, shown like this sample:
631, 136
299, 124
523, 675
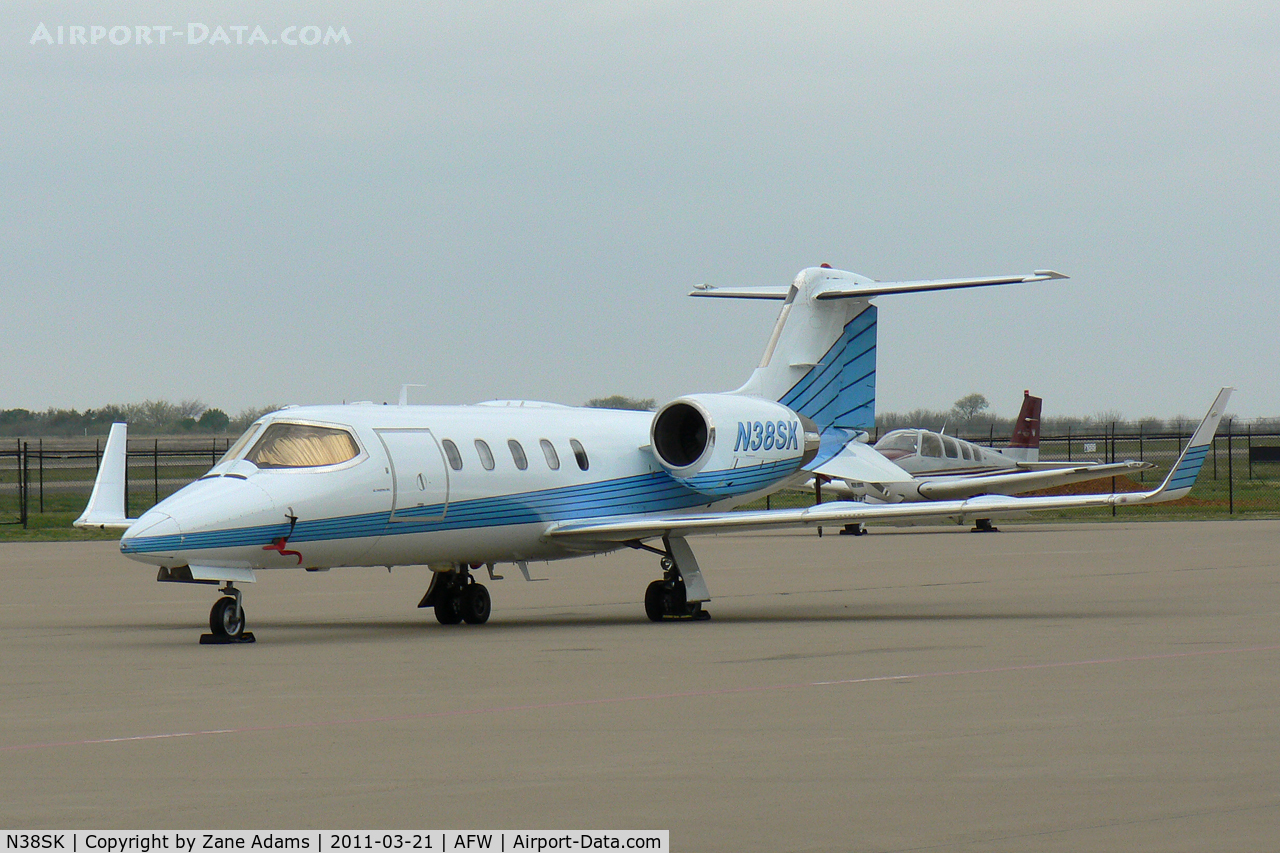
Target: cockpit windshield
904, 439
235, 450
286, 445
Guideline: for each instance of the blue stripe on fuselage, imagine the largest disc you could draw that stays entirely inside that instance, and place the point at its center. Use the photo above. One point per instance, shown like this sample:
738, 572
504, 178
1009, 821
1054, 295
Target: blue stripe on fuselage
645, 493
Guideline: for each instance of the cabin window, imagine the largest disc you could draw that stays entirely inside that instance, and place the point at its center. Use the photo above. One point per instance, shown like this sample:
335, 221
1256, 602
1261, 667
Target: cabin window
580, 454
485, 454
285, 445
966, 451
452, 454
930, 444
517, 454
549, 451
953, 449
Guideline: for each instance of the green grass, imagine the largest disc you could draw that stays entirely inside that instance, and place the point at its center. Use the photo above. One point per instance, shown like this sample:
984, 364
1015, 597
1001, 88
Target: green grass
1253, 498
61, 509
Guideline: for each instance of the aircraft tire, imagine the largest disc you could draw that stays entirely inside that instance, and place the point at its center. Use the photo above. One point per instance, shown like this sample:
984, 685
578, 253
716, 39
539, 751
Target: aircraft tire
449, 610
223, 621
653, 602
476, 604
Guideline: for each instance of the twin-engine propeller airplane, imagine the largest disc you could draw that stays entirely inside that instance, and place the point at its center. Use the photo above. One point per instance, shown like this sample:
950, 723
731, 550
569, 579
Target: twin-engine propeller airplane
923, 465
456, 488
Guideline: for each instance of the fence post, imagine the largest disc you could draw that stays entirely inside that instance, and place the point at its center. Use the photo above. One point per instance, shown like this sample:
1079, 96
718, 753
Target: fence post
25, 480
1142, 475
1068, 443
1231, 481
1214, 444
41, 463
1113, 459
1250, 451
155, 470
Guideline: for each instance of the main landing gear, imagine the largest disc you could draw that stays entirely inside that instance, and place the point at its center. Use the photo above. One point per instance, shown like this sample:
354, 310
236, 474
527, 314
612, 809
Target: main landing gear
983, 525
681, 592
457, 597
227, 620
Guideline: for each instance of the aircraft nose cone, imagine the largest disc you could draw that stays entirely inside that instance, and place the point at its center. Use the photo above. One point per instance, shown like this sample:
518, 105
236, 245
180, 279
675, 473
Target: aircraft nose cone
152, 523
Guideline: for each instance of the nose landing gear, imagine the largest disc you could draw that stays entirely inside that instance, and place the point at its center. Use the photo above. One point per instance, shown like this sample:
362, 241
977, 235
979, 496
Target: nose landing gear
227, 620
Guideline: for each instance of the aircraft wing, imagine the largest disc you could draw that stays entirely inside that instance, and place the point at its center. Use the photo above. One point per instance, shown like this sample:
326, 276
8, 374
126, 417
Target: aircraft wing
1017, 482
861, 463
106, 503
638, 527
835, 513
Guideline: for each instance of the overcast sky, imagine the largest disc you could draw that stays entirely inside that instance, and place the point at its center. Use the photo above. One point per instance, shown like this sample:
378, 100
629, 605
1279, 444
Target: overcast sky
512, 200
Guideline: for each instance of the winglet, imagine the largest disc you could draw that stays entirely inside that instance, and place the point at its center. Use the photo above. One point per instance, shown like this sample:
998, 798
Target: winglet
1184, 472
106, 503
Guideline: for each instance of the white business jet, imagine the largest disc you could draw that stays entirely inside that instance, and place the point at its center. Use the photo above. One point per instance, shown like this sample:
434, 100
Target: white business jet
457, 488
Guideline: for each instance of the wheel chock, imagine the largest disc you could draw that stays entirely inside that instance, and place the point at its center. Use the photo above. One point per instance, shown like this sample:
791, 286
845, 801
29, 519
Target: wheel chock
224, 640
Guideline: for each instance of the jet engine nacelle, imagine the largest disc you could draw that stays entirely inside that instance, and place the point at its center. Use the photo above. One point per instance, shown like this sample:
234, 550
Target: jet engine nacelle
723, 445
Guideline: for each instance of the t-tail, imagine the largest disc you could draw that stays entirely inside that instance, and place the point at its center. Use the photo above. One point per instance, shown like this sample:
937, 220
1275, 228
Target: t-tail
821, 358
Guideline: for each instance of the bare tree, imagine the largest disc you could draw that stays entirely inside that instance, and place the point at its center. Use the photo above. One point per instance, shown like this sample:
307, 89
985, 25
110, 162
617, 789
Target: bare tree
618, 401
969, 405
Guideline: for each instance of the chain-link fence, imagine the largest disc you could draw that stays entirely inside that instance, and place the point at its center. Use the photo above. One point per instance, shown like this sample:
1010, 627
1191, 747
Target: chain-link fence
46, 482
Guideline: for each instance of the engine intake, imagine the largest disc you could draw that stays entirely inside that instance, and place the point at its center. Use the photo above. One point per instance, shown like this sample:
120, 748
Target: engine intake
691, 439
680, 434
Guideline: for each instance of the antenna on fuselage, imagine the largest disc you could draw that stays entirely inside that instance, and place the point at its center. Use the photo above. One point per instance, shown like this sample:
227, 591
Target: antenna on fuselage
404, 392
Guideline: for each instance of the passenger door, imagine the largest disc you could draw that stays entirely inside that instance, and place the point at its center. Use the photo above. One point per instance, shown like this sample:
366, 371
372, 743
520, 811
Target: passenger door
420, 479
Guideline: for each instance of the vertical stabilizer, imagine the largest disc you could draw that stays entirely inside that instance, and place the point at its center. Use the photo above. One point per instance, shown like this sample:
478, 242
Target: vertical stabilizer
821, 358
1025, 444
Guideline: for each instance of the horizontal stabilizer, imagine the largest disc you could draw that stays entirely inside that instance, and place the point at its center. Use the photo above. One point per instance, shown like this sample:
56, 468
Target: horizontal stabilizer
837, 289
106, 502
840, 285
766, 292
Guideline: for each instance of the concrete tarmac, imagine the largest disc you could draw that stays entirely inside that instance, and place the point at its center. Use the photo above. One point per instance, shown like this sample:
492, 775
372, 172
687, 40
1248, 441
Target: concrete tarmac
1059, 687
